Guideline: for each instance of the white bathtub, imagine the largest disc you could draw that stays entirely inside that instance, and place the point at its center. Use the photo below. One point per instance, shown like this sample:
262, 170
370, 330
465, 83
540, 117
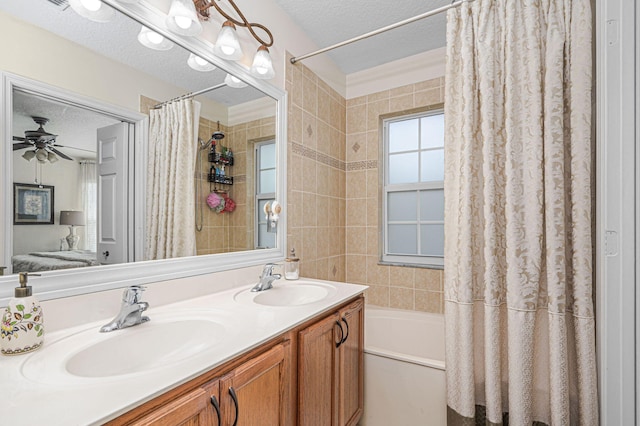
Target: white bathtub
404, 375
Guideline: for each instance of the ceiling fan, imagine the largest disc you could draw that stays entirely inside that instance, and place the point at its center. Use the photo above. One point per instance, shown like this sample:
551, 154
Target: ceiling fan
43, 143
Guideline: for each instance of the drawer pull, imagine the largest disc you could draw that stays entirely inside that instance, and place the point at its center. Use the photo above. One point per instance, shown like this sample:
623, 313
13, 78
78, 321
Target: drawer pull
232, 392
344, 320
216, 406
341, 339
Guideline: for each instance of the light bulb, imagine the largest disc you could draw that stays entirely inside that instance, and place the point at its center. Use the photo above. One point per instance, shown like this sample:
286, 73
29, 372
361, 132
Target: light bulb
183, 18
41, 155
199, 64
153, 40
92, 5
183, 22
228, 50
262, 66
154, 37
234, 82
227, 45
200, 61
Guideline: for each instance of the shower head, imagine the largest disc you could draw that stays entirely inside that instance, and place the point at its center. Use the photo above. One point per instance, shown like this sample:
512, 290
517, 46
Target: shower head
217, 135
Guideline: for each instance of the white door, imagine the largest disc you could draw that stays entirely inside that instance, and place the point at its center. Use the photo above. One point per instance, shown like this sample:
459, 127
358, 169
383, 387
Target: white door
113, 142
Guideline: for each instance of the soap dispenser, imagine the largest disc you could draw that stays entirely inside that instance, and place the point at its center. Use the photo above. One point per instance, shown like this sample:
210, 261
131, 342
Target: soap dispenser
292, 266
22, 328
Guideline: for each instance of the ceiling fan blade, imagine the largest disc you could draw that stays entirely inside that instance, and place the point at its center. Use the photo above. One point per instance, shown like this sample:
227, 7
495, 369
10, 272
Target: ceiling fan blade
73, 147
18, 138
21, 145
61, 154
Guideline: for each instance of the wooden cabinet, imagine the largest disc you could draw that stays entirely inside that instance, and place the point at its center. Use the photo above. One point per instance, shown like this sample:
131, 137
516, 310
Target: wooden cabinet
330, 369
312, 376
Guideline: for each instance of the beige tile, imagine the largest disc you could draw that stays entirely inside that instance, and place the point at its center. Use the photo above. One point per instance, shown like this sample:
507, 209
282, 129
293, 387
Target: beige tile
309, 130
427, 97
377, 295
322, 269
377, 274
356, 240
356, 269
373, 183
309, 181
378, 96
374, 111
322, 178
356, 184
310, 243
296, 94
323, 137
357, 119
336, 144
373, 145
401, 298
308, 268
296, 167
310, 96
324, 237
360, 100
356, 212
402, 276
309, 209
373, 241
402, 90
356, 149
295, 124
428, 279
306, 71
324, 106
373, 209
427, 84
429, 301
401, 103
337, 241
337, 115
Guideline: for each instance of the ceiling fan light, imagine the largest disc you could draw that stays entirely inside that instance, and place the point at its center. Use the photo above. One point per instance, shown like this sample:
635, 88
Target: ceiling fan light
183, 19
234, 82
262, 66
153, 40
227, 44
52, 157
28, 155
93, 10
41, 155
199, 64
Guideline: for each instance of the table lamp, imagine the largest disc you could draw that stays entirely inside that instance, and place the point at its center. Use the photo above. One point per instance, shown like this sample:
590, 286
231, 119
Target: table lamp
72, 218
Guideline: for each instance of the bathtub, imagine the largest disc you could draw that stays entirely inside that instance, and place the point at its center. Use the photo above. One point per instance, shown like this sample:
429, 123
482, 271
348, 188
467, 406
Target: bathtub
404, 371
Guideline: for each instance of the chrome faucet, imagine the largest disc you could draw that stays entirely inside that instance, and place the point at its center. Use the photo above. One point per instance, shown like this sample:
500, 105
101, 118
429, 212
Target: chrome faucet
266, 278
130, 311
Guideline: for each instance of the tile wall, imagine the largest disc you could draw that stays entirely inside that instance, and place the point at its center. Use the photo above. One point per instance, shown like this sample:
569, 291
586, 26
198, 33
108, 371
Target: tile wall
390, 286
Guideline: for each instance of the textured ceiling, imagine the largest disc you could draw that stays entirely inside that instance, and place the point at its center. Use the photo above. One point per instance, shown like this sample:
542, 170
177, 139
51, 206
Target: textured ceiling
328, 22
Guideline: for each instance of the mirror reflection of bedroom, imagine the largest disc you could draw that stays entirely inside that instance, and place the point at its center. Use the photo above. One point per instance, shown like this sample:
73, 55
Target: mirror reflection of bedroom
54, 184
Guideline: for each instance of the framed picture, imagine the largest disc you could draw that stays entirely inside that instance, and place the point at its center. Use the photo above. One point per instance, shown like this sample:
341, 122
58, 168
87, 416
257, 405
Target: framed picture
32, 204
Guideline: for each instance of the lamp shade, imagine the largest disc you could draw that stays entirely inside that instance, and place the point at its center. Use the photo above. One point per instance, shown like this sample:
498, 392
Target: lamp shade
153, 40
93, 10
72, 217
183, 19
234, 82
227, 44
28, 155
199, 64
262, 66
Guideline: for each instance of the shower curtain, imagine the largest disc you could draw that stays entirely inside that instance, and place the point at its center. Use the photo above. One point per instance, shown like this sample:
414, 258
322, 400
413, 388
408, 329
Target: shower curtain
520, 327
170, 173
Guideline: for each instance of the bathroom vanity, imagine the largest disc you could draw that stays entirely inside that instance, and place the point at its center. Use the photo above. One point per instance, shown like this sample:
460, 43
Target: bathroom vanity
289, 355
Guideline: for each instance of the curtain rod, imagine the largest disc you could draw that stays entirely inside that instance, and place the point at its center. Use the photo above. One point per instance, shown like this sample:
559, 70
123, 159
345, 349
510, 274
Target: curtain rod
191, 95
381, 30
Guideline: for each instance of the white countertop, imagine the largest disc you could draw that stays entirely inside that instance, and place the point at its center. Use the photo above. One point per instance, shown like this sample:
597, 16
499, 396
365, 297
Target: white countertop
59, 398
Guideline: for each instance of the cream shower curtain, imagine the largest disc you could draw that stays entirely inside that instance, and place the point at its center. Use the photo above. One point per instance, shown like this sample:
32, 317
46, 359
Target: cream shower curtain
520, 328
170, 173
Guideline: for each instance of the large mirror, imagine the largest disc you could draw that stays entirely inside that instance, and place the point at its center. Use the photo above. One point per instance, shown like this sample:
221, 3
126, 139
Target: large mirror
71, 88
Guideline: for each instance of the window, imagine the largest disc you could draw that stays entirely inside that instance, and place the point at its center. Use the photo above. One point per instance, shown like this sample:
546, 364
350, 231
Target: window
413, 212
265, 156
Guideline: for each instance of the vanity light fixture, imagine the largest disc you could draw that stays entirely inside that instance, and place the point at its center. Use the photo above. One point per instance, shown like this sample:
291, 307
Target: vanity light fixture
93, 10
227, 45
153, 40
234, 82
262, 66
199, 64
183, 19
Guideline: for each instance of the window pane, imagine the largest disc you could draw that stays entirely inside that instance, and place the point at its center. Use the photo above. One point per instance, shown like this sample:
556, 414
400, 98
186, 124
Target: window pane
268, 156
432, 166
403, 135
402, 206
267, 181
403, 168
266, 239
432, 204
432, 131
432, 240
403, 239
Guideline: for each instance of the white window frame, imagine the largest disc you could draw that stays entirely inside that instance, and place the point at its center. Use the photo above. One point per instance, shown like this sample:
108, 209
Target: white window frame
259, 217
406, 259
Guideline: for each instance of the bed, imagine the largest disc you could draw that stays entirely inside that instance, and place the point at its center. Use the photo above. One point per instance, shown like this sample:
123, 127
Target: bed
51, 260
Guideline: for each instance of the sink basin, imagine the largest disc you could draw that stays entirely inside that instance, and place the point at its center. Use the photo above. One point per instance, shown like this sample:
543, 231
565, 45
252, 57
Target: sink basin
165, 341
287, 294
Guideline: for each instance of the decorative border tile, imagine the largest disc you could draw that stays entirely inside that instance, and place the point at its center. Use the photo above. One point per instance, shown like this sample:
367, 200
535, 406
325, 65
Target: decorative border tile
312, 154
362, 165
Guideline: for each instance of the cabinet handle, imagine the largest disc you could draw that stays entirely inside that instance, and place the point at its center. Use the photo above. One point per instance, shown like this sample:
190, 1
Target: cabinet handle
341, 334
344, 319
216, 406
232, 392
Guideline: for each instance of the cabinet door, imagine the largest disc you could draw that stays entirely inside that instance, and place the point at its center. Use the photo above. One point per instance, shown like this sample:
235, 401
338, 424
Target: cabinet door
255, 393
192, 409
318, 373
352, 364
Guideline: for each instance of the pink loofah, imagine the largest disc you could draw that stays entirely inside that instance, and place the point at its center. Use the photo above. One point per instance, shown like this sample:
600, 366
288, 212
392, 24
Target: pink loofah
213, 200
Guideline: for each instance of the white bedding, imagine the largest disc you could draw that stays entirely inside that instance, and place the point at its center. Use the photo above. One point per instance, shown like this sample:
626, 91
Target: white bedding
51, 260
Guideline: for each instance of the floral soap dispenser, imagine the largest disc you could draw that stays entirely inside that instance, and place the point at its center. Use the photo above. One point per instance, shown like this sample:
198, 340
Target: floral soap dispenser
22, 330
